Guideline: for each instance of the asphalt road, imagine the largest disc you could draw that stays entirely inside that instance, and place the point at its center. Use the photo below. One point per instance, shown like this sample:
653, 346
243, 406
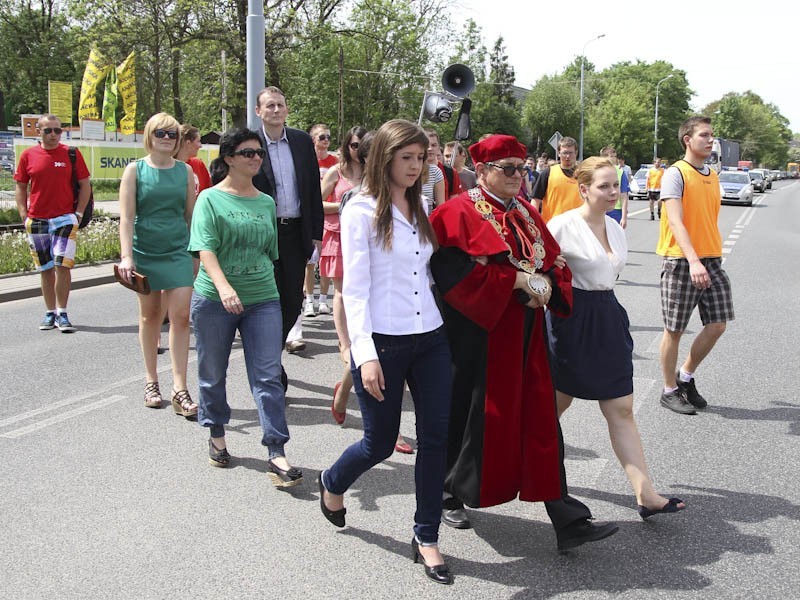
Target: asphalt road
102, 498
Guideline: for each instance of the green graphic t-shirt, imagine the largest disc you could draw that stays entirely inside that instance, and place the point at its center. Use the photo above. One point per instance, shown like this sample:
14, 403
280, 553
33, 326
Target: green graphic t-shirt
242, 232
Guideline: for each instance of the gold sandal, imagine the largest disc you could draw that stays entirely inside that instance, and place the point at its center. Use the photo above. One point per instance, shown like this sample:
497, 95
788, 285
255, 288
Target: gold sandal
183, 404
152, 395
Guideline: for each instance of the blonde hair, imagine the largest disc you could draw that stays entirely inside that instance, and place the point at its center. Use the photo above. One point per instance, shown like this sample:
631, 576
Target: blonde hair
160, 120
389, 139
584, 173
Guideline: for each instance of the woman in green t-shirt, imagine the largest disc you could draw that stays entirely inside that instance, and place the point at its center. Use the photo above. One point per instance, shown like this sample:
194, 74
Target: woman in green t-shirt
234, 232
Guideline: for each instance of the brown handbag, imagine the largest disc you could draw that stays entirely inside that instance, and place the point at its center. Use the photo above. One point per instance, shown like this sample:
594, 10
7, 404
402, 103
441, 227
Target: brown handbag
138, 283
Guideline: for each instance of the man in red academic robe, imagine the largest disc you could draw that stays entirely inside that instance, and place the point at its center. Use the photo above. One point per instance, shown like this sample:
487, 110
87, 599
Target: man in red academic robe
496, 268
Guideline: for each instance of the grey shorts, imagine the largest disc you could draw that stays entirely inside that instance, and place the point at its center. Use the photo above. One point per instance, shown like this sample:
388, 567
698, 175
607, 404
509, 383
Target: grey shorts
679, 297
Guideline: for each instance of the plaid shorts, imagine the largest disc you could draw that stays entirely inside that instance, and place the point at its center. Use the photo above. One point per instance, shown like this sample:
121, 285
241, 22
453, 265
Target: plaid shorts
52, 241
679, 296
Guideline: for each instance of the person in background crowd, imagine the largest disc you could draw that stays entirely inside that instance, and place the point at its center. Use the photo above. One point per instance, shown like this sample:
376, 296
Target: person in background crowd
692, 273
396, 333
157, 198
556, 190
452, 184
654, 176
187, 152
321, 136
494, 281
456, 157
433, 184
234, 233
290, 175
620, 211
50, 217
591, 350
337, 181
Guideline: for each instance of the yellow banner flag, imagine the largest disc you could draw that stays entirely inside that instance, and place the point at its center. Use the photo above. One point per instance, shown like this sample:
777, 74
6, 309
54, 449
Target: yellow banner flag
126, 90
59, 94
96, 68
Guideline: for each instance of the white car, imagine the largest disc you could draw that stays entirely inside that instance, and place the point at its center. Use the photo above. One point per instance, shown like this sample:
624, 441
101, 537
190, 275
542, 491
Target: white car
735, 187
637, 186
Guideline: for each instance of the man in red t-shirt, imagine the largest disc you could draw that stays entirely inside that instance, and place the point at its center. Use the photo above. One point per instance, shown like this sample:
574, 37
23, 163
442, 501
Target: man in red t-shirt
45, 204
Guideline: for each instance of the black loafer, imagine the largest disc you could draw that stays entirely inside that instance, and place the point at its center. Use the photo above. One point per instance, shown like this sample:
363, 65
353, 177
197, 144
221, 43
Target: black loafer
454, 515
580, 532
334, 516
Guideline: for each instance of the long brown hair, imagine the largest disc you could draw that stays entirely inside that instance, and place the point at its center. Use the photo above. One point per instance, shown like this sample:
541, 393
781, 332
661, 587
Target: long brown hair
391, 137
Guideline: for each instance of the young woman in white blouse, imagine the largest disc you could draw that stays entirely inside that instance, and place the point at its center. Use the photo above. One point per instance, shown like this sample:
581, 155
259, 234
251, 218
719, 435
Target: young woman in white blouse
591, 350
396, 333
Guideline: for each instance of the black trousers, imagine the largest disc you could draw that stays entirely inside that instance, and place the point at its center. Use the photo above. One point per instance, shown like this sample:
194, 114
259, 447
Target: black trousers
566, 510
290, 271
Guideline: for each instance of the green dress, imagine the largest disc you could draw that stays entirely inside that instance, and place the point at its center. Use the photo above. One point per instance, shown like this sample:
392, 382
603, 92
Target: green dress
160, 232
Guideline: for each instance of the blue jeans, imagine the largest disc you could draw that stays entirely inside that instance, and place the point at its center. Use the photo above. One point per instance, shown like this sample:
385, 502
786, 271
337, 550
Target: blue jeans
423, 360
260, 328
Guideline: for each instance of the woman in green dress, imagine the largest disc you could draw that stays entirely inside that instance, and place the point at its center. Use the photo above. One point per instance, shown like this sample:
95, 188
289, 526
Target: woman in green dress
156, 201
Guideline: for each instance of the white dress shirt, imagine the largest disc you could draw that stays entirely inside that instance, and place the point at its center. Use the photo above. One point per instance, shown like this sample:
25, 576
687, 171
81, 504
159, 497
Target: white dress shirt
592, 267
387, 292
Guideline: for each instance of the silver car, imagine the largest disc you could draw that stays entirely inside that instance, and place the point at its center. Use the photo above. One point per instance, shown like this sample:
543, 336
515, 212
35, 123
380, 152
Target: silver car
637, 186
735, 187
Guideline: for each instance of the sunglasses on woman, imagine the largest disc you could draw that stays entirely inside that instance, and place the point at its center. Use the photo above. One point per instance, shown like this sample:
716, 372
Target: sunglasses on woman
353, 145
250, 152
162, 133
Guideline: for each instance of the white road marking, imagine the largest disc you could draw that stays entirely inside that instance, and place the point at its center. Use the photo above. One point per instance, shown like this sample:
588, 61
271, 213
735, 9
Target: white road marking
60, 418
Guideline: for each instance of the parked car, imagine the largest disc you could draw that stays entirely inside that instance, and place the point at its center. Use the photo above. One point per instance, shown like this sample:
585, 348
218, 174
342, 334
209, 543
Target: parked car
6, 165
735, 187
637, 186
759, 183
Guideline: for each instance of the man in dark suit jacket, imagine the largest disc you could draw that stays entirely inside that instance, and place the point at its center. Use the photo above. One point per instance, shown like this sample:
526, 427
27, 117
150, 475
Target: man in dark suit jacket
290, 175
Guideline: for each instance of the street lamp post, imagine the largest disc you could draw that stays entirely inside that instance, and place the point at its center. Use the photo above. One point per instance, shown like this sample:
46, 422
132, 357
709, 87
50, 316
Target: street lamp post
655, 127
583, 53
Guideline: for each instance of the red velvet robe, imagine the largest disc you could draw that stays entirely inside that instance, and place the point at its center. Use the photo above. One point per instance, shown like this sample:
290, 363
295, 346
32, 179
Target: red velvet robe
504, 438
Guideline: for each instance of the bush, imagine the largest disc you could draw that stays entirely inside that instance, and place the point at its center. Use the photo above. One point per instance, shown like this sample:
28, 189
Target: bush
96, 243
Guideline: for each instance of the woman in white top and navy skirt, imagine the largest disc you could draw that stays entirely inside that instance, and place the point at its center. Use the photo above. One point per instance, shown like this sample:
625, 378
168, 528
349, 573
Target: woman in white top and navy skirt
591, 351
396, 333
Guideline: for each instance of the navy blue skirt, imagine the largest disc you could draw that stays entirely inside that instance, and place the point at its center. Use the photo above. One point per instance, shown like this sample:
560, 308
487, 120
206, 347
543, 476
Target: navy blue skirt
591, 351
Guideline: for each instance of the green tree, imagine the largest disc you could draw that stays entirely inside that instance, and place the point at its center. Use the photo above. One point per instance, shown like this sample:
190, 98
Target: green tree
470, 50
552, 105
36, 45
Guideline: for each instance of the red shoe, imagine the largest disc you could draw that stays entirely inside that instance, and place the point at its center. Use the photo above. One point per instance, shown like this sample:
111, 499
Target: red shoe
339, 417
404, 447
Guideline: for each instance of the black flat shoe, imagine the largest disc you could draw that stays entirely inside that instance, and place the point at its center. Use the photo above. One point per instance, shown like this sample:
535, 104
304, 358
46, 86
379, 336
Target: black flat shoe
334, 516
580, 532
283, 478
439, 573
218, 457
670, 507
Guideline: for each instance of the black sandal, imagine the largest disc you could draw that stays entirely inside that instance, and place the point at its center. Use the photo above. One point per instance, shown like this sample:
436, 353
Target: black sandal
283, 477
218, 457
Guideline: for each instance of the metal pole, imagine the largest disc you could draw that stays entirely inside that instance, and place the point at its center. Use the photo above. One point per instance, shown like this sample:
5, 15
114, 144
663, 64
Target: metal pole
255, 59
583, 54
655, 126
224, 94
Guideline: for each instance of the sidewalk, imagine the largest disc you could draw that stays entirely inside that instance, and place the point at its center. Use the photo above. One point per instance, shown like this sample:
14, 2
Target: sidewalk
27, 285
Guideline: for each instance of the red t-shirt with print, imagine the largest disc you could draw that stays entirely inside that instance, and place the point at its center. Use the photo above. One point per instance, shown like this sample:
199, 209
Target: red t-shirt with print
50, 175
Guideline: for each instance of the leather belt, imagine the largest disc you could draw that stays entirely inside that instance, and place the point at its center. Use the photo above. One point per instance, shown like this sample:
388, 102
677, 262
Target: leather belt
289, 220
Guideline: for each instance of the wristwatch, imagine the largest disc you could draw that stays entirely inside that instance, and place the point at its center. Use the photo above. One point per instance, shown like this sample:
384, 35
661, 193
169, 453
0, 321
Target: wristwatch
538, 284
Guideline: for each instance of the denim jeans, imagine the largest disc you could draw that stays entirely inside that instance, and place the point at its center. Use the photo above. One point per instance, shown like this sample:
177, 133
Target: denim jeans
422, 360
260, 328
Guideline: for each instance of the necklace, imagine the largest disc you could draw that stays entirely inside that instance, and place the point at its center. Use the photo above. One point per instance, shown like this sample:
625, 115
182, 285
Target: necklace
518, 218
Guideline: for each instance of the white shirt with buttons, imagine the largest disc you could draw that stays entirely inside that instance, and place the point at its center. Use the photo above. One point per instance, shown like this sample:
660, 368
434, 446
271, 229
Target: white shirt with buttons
386, 292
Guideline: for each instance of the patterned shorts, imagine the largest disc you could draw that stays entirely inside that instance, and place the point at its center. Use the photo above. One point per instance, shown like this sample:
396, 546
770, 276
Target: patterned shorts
679, 297
52, 241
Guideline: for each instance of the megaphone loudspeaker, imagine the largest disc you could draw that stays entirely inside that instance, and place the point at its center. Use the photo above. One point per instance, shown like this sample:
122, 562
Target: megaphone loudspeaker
458, 80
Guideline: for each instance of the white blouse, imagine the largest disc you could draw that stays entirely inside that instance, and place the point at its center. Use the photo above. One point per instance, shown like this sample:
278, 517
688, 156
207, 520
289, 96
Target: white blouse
592, 267
384, 292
